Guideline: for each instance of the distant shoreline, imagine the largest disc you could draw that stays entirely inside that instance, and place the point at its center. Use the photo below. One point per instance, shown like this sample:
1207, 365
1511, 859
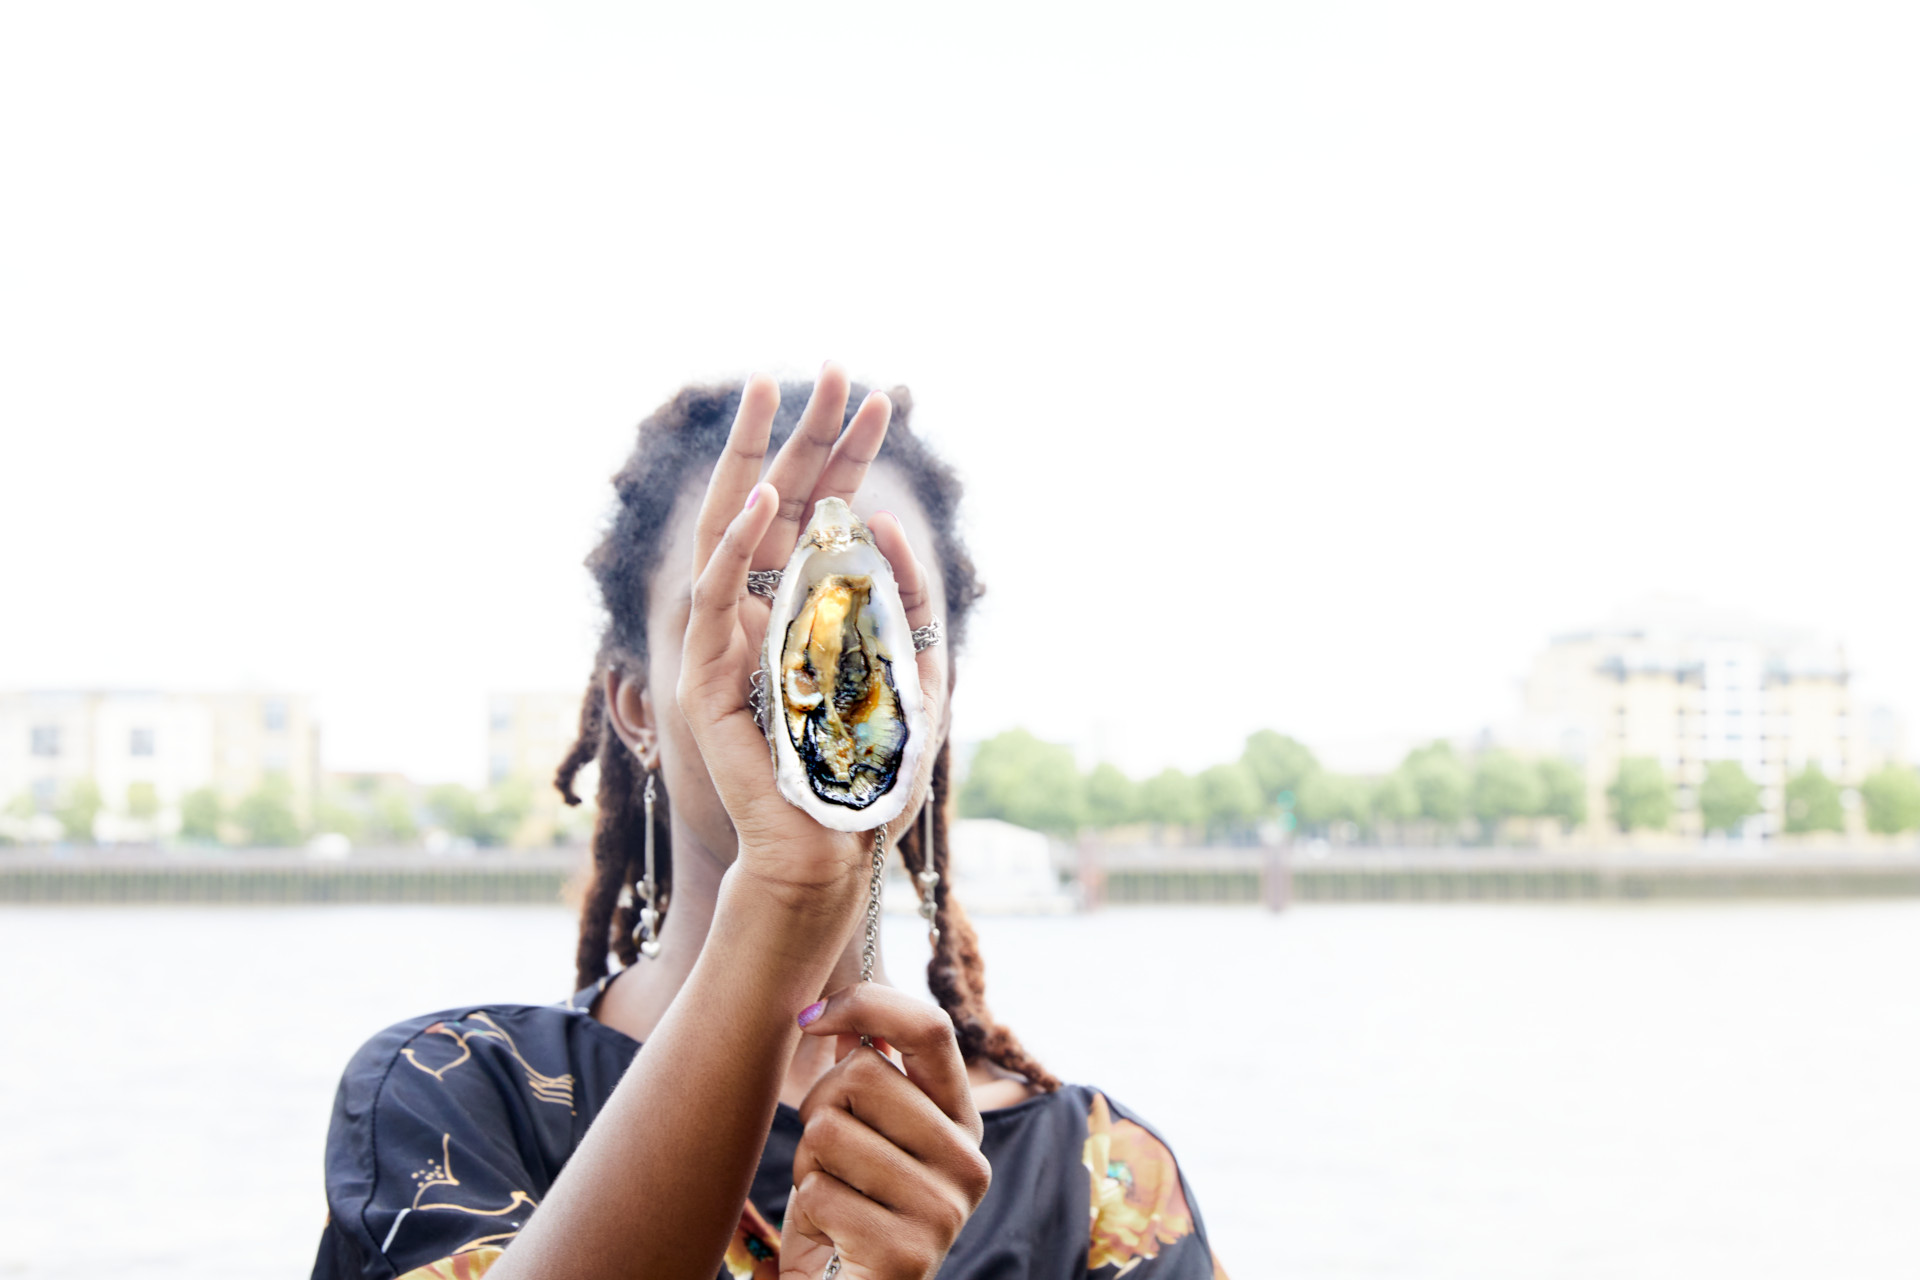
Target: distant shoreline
1143, 877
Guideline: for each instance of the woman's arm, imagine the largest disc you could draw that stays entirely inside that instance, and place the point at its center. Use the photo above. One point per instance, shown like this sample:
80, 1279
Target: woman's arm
656, 1186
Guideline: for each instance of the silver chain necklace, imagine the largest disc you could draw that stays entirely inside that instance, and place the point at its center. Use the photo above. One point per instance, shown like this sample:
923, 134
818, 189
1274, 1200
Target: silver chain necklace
868, 948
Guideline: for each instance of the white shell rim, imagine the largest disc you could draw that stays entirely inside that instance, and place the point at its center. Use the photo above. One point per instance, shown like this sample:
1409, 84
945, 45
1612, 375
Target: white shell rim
894, 633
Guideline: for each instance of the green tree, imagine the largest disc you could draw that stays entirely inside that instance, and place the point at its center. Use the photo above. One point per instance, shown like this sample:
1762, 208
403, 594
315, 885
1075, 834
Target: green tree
1440, 781
1641, 796
505, 806
1504, 786
1728, 797
200, 815
1393, 799
456, 809
1020, 779
393, 817
265, 814
1278, 763
143, 800
1813, 802
330, 816
1563, 792
1172, 798
1892, 799
1231, 797
1112, 798
1326, 798
78, 808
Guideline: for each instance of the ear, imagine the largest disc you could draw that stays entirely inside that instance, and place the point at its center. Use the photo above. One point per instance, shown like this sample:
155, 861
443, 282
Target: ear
630, 711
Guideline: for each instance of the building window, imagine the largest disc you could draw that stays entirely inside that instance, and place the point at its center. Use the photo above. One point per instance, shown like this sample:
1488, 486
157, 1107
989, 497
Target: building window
140, 742
274, 715
46, 739
501, 721
45, 791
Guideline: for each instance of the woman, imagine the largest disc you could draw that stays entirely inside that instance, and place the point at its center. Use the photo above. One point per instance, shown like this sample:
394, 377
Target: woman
941, 1146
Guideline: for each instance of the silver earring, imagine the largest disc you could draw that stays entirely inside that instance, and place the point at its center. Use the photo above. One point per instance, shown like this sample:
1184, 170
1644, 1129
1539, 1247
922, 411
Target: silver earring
929, 878
647, 932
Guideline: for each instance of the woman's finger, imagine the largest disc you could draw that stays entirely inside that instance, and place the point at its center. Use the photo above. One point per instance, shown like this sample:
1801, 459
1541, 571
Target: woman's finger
846, 1146
868, 1086
916, 596
799, 463
827, 1211
920, 1032
713, 621
738, 469
855, 451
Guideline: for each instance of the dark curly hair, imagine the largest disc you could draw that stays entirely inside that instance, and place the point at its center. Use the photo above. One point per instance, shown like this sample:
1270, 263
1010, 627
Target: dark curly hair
679, 441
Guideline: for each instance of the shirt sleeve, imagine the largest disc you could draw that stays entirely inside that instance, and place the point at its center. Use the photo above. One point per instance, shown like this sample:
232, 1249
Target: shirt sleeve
436, 1155
1143, 1221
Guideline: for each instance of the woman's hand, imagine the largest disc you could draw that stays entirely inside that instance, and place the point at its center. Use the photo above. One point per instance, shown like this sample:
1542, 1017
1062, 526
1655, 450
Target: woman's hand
747, 523
889, 1168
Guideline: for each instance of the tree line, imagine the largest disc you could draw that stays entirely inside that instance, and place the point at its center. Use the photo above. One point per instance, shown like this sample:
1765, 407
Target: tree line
1434, 795
366, 809
1643, 797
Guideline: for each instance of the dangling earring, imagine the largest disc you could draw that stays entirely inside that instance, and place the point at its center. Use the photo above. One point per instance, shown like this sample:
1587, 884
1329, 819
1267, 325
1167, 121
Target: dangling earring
647, 932
929, 878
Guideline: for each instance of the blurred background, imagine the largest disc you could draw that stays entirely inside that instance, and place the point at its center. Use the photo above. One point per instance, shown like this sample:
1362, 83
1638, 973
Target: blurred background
1450, 763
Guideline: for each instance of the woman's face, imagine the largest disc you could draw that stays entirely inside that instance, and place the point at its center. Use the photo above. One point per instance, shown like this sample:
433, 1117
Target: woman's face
696, 805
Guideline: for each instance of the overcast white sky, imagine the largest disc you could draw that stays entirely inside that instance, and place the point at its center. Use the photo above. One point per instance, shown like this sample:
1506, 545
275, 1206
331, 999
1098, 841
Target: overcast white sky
1310, 364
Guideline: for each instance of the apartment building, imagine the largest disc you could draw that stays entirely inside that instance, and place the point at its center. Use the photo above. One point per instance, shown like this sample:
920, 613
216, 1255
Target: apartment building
1687, 686
173, 743
528, 734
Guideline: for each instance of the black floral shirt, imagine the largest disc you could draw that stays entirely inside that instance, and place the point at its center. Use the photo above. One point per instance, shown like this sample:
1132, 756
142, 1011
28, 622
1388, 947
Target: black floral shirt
449, 1129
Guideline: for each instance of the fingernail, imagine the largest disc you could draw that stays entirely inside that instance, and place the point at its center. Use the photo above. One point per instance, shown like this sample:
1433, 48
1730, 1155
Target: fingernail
811, 1014
753, 496
883, 512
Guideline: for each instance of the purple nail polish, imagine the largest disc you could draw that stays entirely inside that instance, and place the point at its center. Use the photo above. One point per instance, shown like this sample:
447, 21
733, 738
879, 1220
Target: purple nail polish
811, 1014
753, 496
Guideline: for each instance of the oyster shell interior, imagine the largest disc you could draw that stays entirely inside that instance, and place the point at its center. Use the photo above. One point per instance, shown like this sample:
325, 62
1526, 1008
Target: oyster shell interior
840, 704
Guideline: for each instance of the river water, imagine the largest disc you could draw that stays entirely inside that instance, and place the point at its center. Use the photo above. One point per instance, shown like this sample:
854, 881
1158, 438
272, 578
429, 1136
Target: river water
1384, 1092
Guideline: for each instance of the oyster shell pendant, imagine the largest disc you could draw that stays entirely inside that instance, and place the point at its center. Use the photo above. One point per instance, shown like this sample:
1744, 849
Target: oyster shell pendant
844, 713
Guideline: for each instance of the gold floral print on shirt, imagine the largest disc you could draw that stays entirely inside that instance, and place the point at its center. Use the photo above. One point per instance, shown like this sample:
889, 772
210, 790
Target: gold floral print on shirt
754, 1254
755, 1251
556, 1089
470, 1265
1137, 1202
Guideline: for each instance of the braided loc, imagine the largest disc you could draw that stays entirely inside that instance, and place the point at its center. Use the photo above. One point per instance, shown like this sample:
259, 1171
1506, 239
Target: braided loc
678, 443
956, 975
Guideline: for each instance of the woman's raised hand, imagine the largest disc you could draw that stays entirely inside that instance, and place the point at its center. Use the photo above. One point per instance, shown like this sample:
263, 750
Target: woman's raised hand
746, 523
889, 1168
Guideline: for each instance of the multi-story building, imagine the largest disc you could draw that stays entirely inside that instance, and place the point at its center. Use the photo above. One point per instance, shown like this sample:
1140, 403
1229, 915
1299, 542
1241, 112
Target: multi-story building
528, 735
164, 745
1686, 686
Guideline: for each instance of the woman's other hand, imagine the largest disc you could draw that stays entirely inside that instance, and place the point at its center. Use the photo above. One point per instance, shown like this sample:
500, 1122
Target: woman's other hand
889, 1168
746, 523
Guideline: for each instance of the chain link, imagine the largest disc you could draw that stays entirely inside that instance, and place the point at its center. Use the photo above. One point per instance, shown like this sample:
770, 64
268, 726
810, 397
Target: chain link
868, 949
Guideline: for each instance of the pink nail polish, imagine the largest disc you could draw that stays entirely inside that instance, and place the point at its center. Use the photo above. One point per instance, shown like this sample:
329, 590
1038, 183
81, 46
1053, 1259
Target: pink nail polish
753, 496
811, 1014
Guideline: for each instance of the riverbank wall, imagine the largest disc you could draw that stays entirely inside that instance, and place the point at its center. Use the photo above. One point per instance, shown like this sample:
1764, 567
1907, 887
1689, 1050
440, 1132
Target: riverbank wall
1252, 877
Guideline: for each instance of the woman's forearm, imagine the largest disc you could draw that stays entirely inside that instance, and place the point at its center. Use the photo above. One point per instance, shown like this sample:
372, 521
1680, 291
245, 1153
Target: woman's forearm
656, 1186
